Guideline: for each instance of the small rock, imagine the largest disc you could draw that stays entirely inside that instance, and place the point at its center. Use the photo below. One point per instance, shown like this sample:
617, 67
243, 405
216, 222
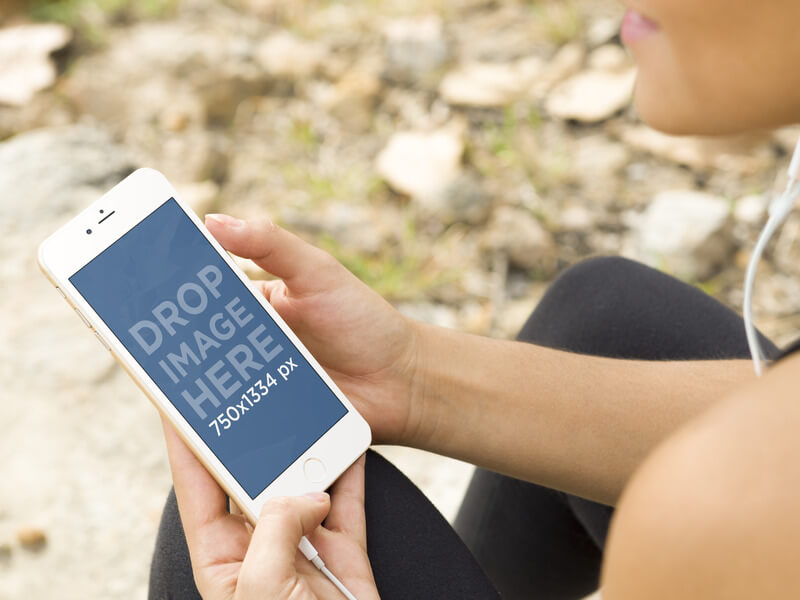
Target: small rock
609, 58
353, 226
486, 84
566, 62
25, 65
592, 96
353, 98
284, 55
461, 200
418, 163
742, 154
527, 244
602, 31
416, 50
751, 209
598, 157
5, 553
31, 537
685, 232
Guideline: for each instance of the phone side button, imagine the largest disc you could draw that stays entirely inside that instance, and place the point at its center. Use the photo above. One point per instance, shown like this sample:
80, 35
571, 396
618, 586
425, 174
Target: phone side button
84, 319
102, 341
314, 470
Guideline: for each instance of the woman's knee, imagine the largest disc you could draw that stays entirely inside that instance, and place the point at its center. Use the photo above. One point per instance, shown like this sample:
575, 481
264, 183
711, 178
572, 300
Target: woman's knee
585, 303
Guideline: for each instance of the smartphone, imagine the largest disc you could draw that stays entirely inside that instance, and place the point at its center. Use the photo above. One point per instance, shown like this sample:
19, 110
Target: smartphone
161, 294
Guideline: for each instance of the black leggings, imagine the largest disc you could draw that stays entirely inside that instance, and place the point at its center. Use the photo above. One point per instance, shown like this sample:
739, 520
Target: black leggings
523, 540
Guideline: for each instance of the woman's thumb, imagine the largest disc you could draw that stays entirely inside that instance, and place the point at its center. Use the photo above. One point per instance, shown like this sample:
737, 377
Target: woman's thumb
282, 523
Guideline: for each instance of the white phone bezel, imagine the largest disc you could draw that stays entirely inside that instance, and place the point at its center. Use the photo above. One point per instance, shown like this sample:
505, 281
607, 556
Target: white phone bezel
70, 248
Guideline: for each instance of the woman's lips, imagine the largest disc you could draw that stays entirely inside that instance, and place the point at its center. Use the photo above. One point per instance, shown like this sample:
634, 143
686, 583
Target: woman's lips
635, 27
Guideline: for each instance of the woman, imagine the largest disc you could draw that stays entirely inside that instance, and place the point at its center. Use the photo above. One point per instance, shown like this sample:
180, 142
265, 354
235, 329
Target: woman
623, 379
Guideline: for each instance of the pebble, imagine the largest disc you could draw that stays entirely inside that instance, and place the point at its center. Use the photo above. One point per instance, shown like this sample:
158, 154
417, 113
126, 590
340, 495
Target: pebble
25, 65
284, 55
526, 242
31, 537
416, 50
421, 163
685, 232
751, 209
566, 62
592, 96
742, 154
489, 84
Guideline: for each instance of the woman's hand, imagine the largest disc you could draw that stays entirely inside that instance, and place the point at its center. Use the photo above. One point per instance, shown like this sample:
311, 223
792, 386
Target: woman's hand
232, 562
363, 343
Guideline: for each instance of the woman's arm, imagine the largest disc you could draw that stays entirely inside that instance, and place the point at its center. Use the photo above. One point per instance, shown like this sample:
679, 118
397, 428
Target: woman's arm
574, 422
713, 513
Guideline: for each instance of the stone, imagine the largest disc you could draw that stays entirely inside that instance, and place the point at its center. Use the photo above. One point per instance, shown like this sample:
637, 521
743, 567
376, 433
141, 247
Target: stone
356, 227
609, 58
592, 96
527, 244
5, 553
284, 55
751, 209
685, 232
416, 50
55, 171
602, 30
598, 157
488, 84
25, 65
418, 163
741, 154
566, 62
31, 537
461, 200
352, 100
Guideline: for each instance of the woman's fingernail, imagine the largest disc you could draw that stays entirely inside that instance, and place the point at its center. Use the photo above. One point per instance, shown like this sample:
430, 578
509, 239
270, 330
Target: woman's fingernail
225, 220
318, 496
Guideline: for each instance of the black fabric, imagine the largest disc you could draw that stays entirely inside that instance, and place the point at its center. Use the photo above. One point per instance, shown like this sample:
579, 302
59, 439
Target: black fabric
413, 550
534, 542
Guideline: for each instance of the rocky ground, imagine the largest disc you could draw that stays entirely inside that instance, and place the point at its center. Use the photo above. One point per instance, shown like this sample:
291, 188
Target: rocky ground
454, 154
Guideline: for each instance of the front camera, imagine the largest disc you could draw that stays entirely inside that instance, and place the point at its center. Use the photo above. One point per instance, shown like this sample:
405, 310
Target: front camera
89, 231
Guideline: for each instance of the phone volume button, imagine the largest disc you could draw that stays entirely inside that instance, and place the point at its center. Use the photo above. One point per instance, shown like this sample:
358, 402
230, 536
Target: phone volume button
84, 319
102, 341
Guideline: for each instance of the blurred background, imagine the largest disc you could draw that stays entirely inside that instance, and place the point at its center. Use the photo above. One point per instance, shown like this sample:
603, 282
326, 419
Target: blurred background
454, 154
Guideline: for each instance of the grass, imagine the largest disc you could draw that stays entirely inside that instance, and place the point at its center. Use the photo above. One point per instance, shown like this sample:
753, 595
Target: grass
400, 272
87, 17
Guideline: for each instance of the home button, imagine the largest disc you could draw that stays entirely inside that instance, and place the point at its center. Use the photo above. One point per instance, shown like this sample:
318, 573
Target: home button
314, 470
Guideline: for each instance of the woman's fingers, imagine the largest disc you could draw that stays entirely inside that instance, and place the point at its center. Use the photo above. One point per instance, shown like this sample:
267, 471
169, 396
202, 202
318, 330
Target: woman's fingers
273, 249
347, 504
283, 521
213, 536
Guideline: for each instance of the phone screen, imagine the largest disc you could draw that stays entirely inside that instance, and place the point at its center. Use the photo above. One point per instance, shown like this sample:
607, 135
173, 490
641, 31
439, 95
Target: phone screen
211, 348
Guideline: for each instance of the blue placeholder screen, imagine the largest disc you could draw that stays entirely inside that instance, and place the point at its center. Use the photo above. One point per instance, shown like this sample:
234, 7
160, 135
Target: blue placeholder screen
214, 351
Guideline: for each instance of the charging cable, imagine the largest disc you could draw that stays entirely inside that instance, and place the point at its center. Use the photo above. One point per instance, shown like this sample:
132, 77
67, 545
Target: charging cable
311, 554
779, 209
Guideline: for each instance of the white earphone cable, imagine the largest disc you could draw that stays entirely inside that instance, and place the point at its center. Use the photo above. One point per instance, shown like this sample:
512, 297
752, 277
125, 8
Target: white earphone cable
312, 555
779, 209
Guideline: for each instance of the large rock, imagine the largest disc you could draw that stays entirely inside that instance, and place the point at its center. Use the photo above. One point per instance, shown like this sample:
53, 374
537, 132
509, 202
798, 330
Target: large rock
685, 232
742, 154
25, 65
49, 174
592, 96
